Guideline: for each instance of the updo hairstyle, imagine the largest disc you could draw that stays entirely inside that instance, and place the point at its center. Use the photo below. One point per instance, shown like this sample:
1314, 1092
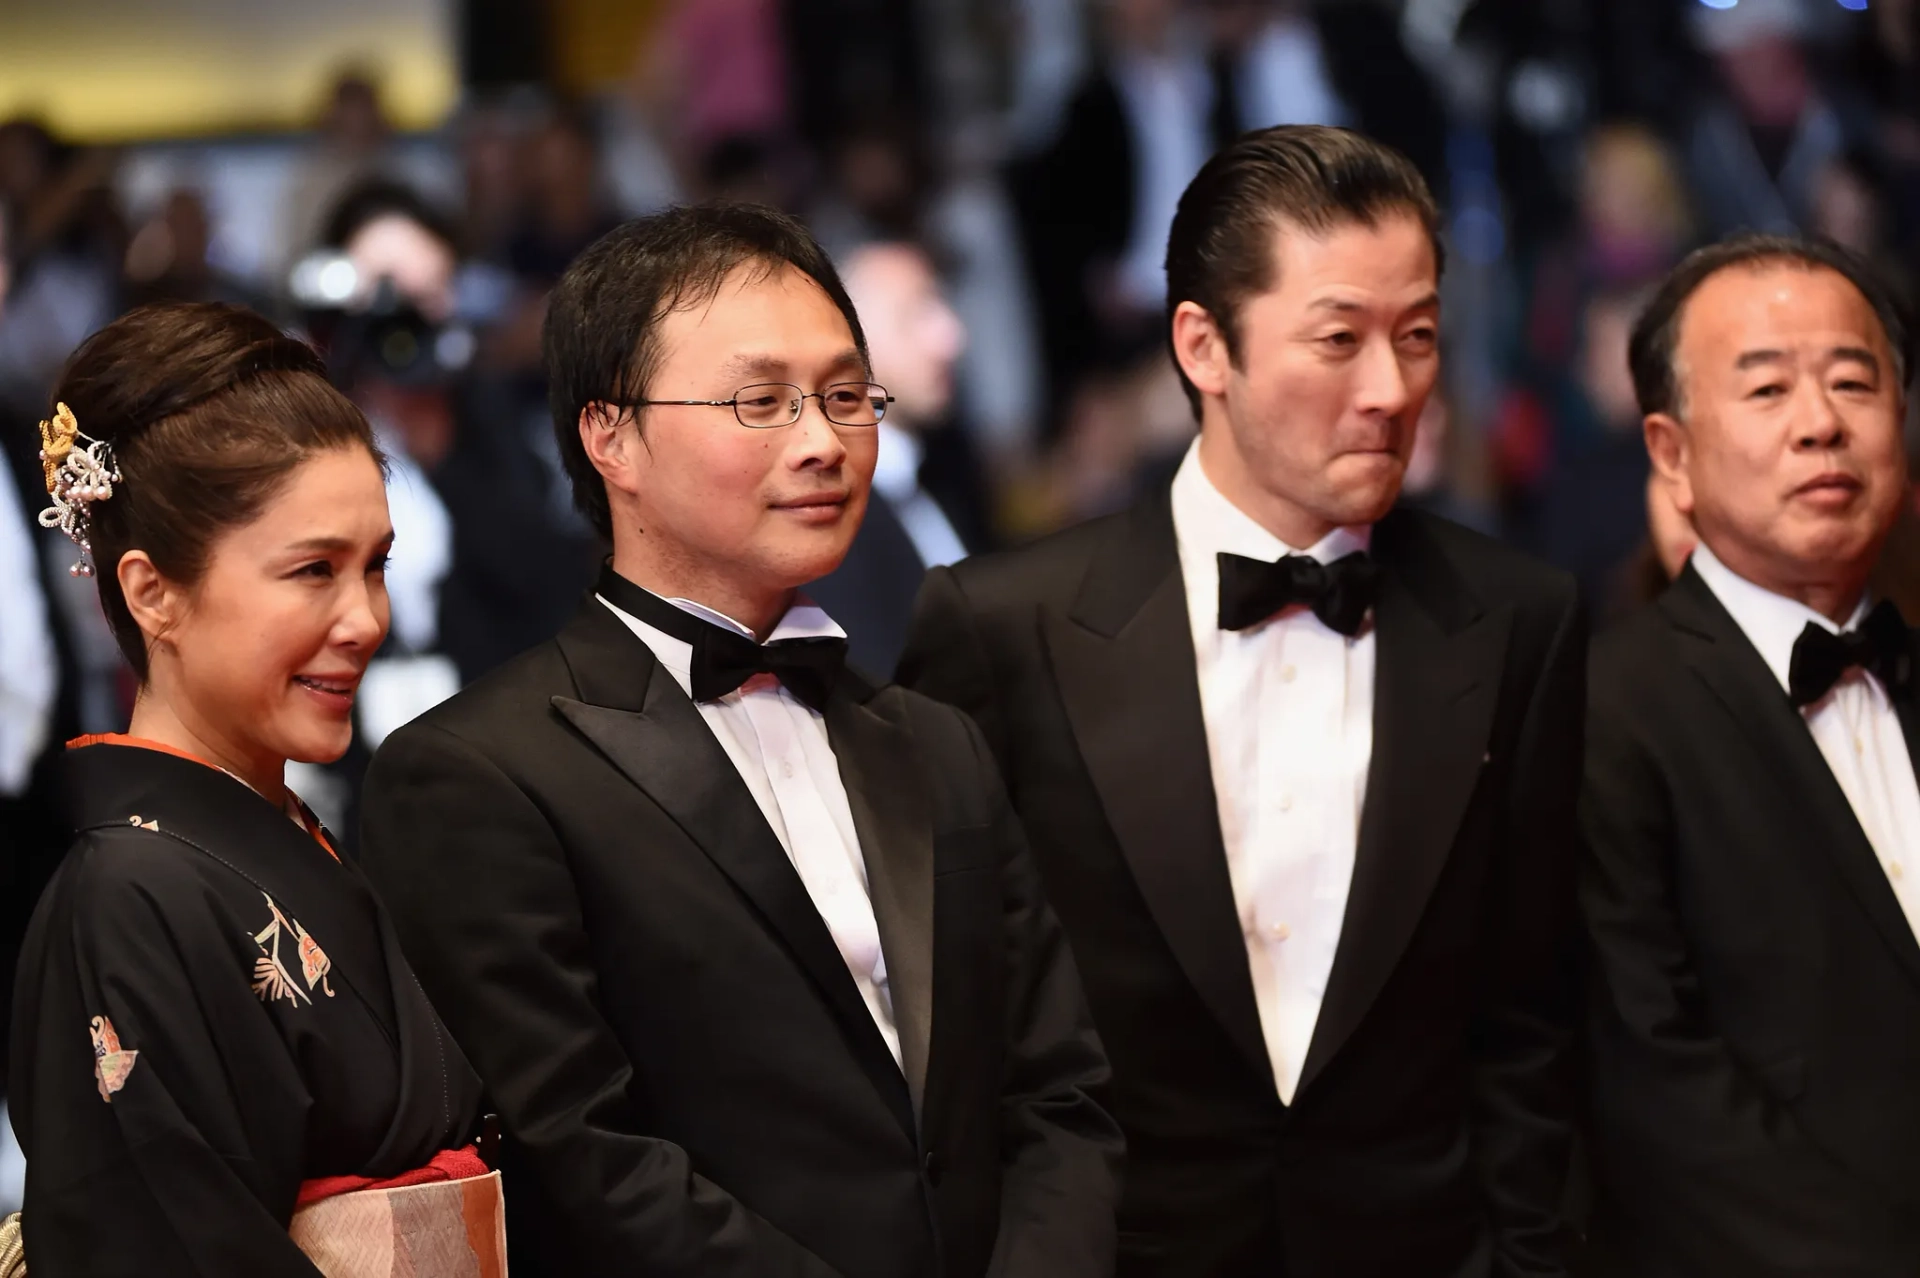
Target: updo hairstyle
209, 410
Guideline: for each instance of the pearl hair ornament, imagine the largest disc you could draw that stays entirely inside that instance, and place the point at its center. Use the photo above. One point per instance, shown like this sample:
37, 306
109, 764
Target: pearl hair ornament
80, 471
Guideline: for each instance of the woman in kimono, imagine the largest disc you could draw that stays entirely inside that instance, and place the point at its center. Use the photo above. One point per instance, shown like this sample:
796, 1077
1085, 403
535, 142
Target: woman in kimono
216, 1039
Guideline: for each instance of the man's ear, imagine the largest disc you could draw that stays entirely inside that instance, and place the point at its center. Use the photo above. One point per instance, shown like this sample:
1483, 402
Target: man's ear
1200, 348
1671, 452
610, 435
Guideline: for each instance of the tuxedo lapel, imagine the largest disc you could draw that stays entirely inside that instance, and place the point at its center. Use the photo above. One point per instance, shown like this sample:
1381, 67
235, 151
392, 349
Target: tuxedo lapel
1124, 662
1720, 654
893, 819
635, 714
1437, 667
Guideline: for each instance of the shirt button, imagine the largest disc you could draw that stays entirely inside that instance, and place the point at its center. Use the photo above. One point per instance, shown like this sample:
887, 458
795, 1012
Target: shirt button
1859, 746
1279, 931
1896, 871
1287, 673
786, 769
1286, 803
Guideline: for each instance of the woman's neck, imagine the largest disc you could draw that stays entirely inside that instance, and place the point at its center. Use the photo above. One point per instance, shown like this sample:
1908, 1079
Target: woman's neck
155, 718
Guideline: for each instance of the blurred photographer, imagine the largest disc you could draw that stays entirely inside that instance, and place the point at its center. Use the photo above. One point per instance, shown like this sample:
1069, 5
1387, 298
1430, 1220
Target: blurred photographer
488, 555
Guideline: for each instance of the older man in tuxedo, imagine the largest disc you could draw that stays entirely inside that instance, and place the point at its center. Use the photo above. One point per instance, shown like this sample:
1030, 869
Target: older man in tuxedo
1752, 887
1299, 768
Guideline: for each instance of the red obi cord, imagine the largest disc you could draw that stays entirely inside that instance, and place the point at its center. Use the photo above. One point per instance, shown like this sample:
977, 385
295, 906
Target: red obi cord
448, 1164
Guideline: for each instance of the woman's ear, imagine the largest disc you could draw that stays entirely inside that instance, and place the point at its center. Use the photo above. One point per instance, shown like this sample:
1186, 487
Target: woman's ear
154, 602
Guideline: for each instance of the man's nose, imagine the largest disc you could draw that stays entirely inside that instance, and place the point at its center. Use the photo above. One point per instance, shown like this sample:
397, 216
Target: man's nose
1821, 426
1383, 383
813, 440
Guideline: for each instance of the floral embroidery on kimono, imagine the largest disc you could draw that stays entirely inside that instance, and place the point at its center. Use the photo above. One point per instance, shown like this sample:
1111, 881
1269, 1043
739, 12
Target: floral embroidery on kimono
271, 979
111, 1065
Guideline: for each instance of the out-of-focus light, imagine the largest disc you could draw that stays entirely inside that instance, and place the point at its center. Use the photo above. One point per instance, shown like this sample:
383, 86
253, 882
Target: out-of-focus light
337, 280
1719, 4
1479, 234
454, 348
1858, 6
324, 280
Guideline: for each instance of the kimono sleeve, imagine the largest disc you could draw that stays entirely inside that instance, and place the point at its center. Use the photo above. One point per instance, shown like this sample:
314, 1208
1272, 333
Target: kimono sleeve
161, 1113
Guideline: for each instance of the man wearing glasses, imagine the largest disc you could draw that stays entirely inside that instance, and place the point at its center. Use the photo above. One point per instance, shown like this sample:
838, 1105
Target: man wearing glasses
752, 956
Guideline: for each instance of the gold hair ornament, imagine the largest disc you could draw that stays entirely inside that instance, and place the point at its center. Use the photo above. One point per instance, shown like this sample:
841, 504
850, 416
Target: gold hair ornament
80, 471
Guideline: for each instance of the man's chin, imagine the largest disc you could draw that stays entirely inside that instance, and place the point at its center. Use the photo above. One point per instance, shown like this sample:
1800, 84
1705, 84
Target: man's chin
1842, 544
1364, 496
805, 568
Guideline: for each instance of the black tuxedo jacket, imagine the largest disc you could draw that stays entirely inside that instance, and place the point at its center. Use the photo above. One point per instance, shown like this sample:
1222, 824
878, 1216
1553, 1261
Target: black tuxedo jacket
1755, 1016
1429, 1134
688, 1077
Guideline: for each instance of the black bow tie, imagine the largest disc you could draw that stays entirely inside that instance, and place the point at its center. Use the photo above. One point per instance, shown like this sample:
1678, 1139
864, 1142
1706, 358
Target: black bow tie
724, 659
1251, 590
1881, 645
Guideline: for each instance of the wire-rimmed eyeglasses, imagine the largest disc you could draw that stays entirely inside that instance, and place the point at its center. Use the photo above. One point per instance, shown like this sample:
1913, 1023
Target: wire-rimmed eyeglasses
766, 405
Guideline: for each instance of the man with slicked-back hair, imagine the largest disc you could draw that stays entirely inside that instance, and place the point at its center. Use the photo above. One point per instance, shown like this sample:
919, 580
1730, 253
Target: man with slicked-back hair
1299, 768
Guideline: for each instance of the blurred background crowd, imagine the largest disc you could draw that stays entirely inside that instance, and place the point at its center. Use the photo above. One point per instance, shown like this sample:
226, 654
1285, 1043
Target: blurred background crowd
996, 178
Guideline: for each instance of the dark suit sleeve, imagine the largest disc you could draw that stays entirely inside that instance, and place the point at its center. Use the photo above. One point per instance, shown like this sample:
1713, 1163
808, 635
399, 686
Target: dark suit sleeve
488, 912
1061, 1149
1698, 1131
944, 658
1522, 1034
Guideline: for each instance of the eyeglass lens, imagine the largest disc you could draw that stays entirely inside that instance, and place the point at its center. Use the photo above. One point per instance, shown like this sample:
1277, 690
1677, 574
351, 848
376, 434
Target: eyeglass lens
770, 404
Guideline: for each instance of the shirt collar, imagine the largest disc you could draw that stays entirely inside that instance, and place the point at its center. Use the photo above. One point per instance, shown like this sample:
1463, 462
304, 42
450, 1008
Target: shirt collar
1771, 622
1208, 524
896, 471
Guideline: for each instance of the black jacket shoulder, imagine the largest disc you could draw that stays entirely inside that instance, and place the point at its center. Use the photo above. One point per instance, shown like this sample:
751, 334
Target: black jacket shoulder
519, 690
1632, 659
1049, 568
1497, 572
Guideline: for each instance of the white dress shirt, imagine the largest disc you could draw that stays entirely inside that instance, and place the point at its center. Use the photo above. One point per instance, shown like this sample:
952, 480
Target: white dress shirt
1288, 706
29, 666
779, 746
896, 477
1855, 725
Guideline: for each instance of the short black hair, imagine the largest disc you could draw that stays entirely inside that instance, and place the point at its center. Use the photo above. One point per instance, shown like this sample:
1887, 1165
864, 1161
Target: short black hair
1308, 176
601, 335
1656, 334
370, 200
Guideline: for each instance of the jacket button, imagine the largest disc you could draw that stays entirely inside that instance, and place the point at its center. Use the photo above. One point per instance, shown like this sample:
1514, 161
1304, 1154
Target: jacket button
934, 1167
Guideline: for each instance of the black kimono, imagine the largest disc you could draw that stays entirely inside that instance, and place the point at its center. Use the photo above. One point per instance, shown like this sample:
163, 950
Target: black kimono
211, 1009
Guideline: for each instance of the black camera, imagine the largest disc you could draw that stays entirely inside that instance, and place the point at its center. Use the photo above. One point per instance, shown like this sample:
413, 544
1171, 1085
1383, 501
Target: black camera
375, 333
